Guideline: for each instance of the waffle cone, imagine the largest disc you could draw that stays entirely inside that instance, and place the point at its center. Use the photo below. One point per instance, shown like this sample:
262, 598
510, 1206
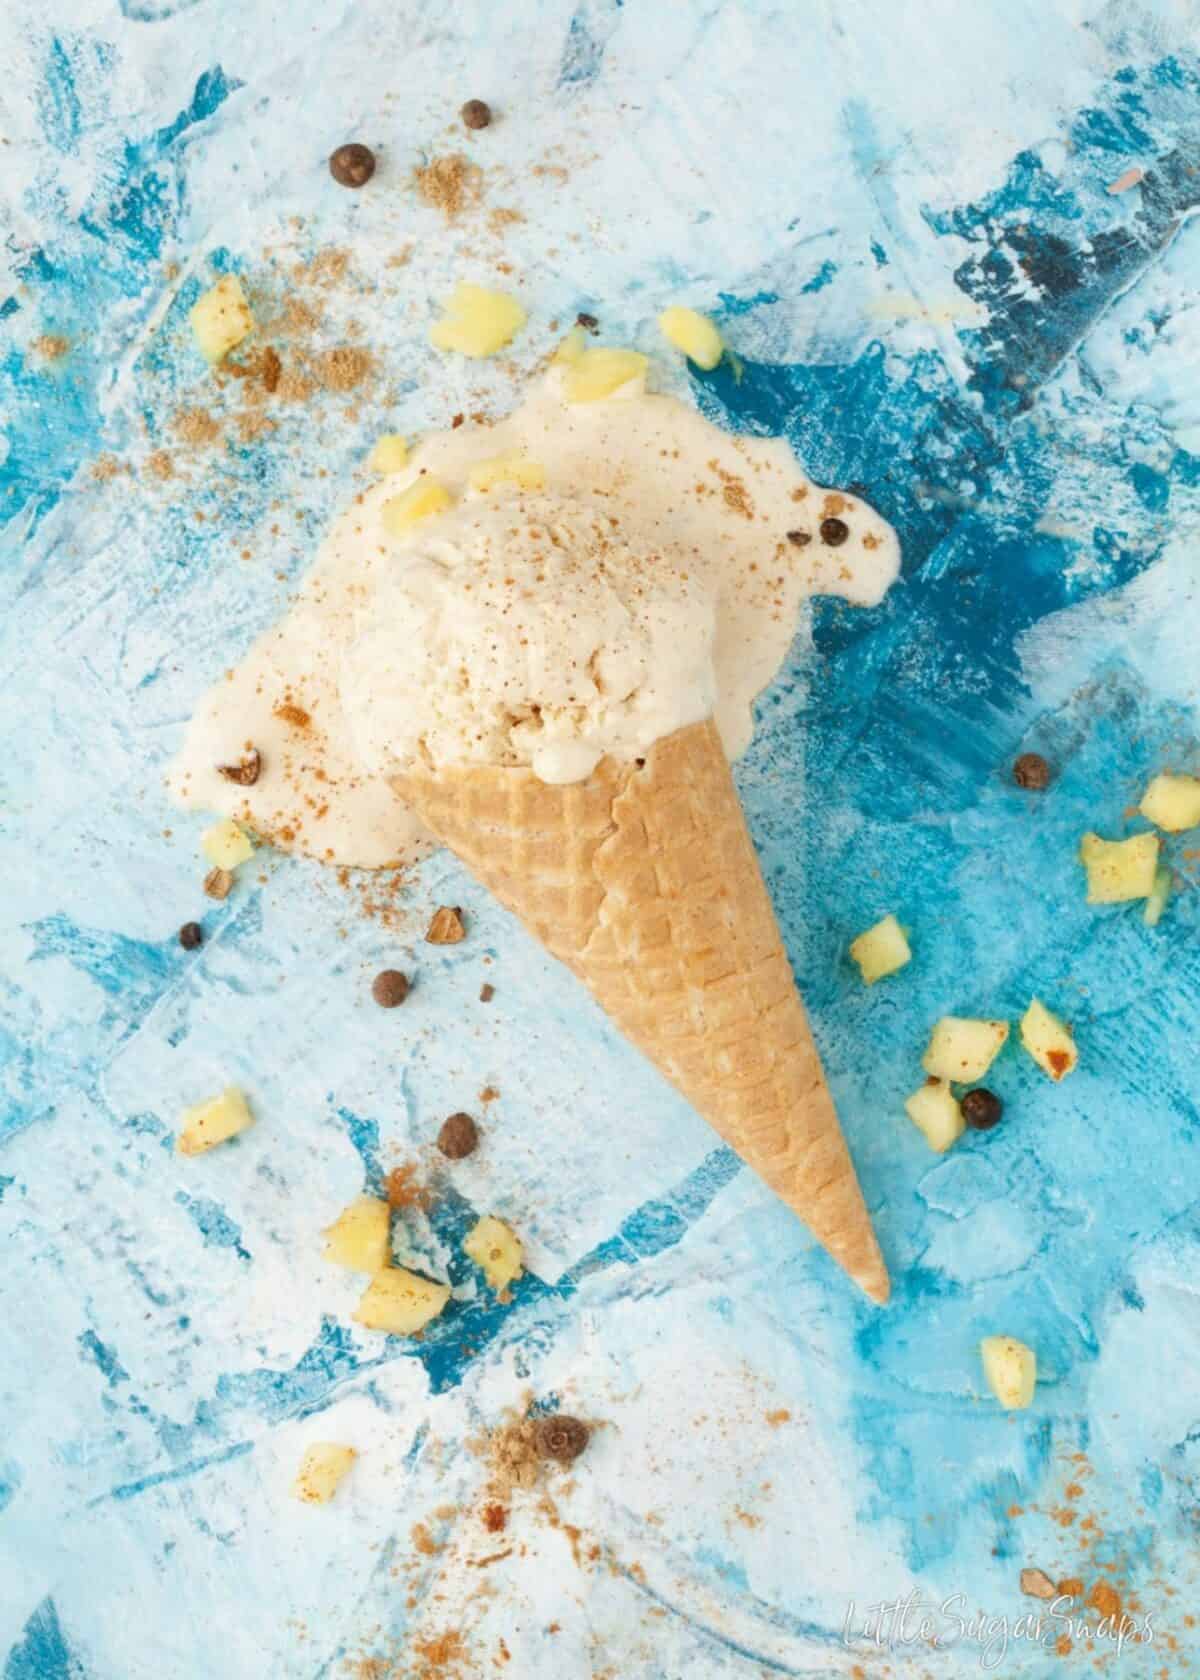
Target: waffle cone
644, 881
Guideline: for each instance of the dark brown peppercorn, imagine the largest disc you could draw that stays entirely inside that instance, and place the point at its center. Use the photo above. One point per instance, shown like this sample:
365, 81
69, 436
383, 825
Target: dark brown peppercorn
191, 934
246, 772
981, 1109
390, 988
834, 532
800, 538
561, 1437
1031, 771
458, 1138
352, 165
486, 992
588, 322
476, 113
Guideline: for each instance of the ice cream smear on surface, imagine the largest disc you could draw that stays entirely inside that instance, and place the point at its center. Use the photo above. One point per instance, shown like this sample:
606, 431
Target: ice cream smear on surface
599, 575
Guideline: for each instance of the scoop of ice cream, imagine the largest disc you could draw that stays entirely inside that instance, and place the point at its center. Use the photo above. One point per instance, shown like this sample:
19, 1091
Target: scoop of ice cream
526, 632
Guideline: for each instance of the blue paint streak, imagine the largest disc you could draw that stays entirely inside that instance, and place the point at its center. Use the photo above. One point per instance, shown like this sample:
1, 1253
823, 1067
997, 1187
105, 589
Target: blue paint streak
42, 1652
213, 1223
364, 1135
132, 972
180, 1473
733, 305
108, 256
588, 35
103, 1357
822, 277
5, 1182
1079, 247
10, 1482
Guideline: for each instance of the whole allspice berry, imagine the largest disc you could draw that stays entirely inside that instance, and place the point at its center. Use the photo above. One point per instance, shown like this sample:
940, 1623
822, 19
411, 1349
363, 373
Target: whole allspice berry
390, 988
982, 1109
562, 1437
1031, 771
458, 1138
476, 113
352, 165
191, 934
834, 532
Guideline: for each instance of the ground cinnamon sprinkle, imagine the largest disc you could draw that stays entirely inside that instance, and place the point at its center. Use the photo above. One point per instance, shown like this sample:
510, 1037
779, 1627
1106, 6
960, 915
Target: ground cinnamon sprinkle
105, 467
196, 426
159, 465
343, 368
776, 1418
295, 715
423, 1540
495, 1518
1105, 1599
449, 184
402, 1189
439, 1658
51, 346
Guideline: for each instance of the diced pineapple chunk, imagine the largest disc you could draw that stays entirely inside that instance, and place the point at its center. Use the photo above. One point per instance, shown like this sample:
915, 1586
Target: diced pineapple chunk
694, 334
477, 322
321, 1470
1011, 1370
571, 347
213, 1122
963, 1050
935, 1111
390, 454
507, 469
1160, 892
1173, 803
881, 950
497, 1248
1049, 1041
598, 373
225, 845
1119, 870
400, 1303
420, 501
221, 318
360, 1236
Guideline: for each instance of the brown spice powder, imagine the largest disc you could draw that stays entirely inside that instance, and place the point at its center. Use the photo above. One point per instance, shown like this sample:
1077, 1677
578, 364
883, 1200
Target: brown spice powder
159, 465
449, 184
51, 347
195, 426
343, 368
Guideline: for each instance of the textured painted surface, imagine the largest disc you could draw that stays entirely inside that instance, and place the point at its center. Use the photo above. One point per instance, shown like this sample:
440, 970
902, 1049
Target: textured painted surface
901, 216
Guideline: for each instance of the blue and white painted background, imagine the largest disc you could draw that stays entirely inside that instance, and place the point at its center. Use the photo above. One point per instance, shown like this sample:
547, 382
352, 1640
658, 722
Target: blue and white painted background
900, 214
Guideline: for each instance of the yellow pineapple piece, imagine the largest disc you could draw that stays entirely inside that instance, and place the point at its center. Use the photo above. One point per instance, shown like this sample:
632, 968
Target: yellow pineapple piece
1172, 802
1119, 870
1049, 1041
390, 454
507, 469
572, 346
936, 1113
963, 1050
477, 322
321, 1470
400, 1303
225, 845
881, 950
360, 1236
1011, 1370
213, 1122
694, 334
497, 1248
420, 501
221, 319
598, 373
